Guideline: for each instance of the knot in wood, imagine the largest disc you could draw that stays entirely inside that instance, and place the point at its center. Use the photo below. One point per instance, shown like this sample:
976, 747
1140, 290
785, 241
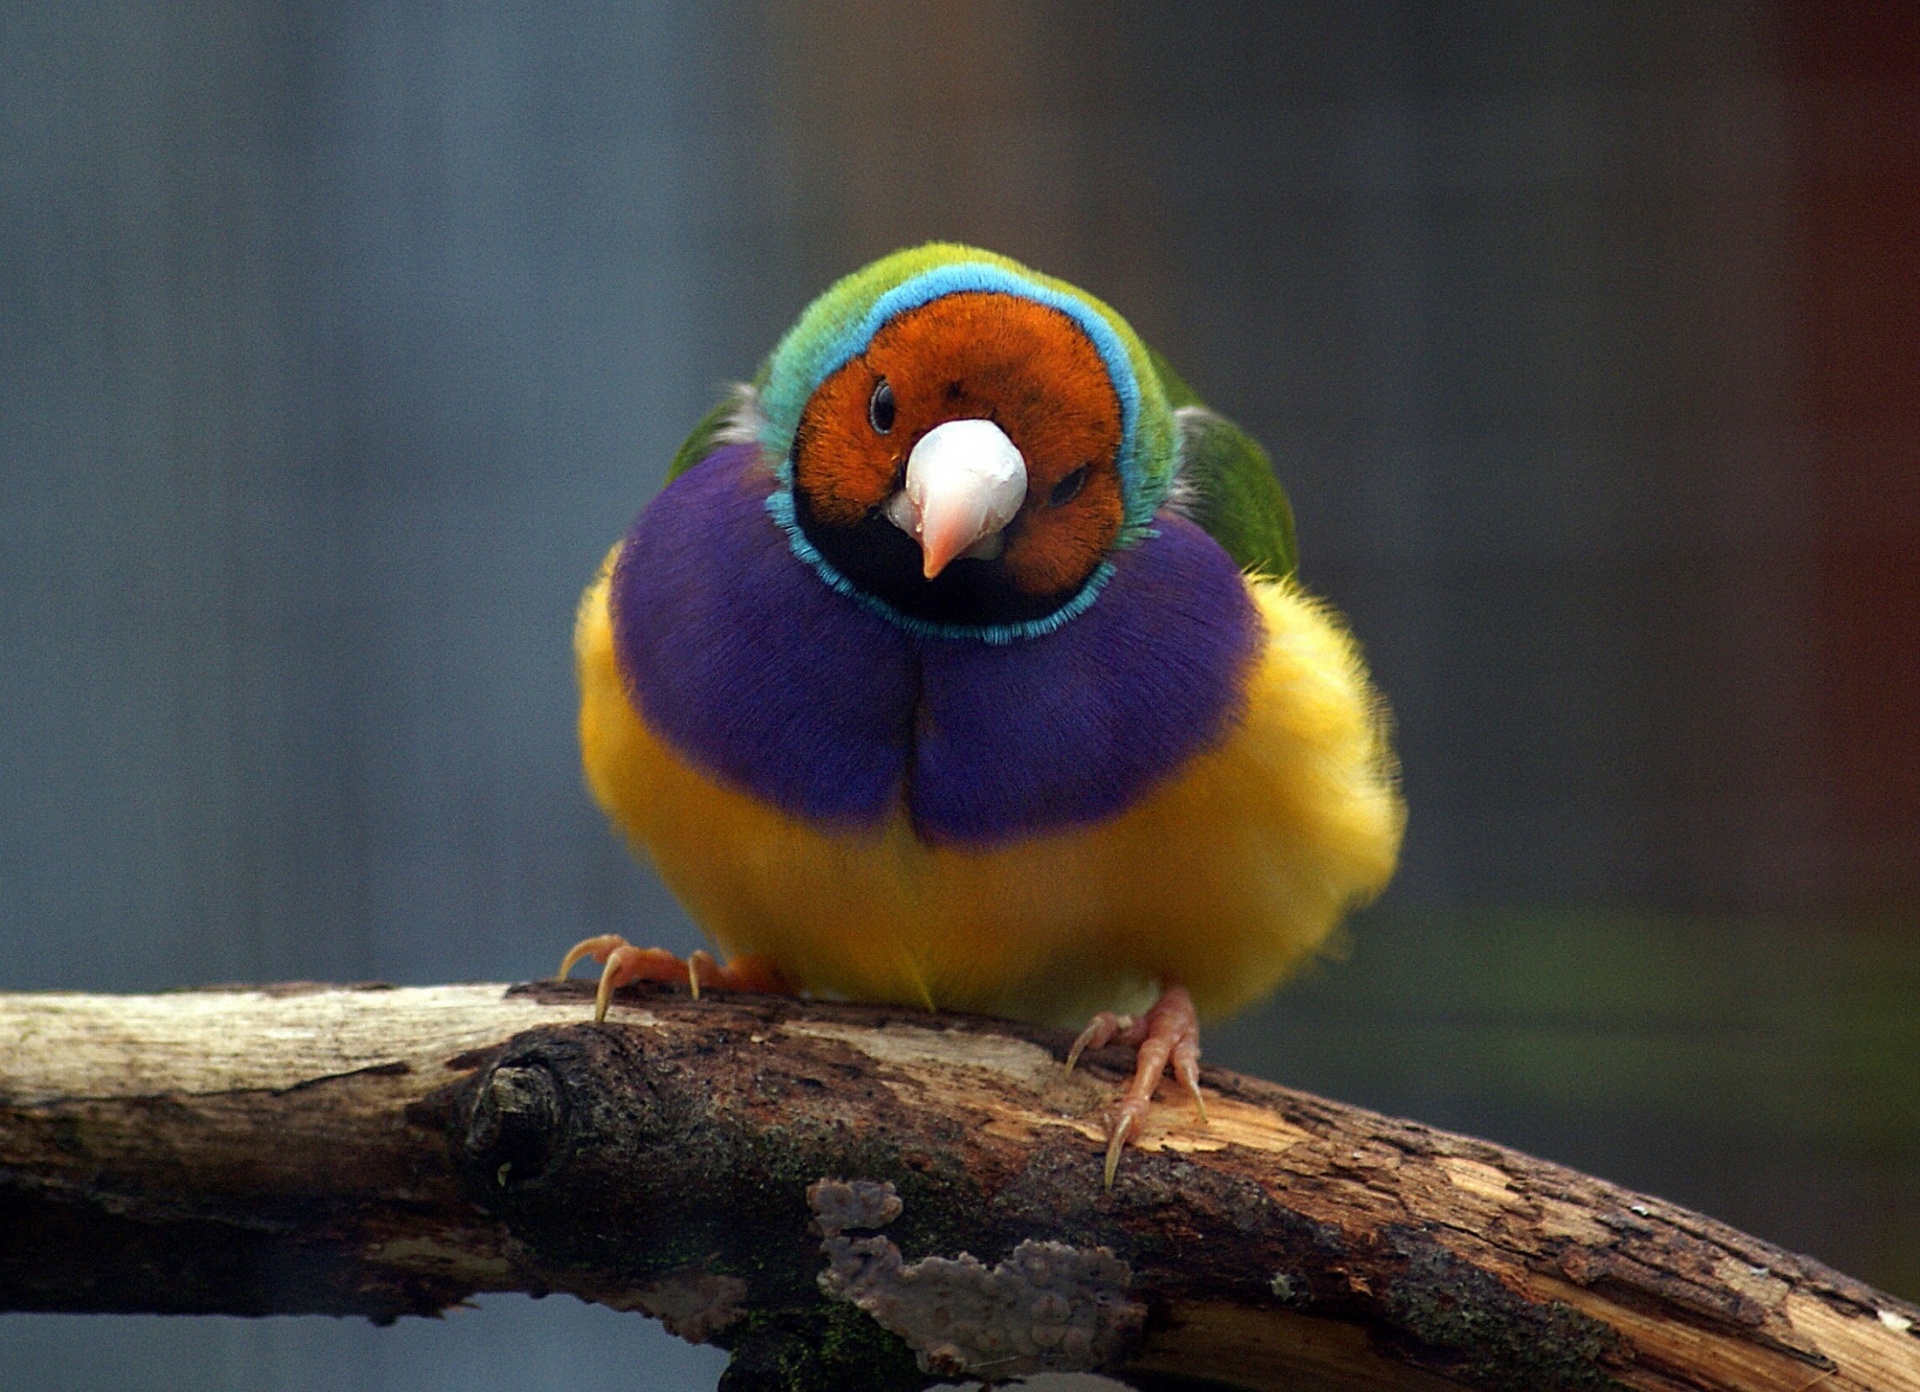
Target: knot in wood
515, 1122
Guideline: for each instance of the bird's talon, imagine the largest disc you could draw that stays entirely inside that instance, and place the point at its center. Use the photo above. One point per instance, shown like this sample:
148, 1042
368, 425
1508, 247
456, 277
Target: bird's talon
1167, 1035
599, 947
623, 963
1079, 1047
603, 997
697, 959
1122, 1128
1186, 1065
1101, 1031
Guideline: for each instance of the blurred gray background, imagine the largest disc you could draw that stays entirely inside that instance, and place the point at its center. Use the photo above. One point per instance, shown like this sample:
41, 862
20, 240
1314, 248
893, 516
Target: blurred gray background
338, 341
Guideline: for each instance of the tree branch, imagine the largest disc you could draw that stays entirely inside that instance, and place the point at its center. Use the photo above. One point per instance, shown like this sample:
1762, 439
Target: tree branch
853, 1196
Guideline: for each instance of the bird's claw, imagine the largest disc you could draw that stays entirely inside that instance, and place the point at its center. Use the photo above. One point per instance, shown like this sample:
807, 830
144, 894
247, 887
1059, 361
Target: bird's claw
698, 961
624, 963
1101, 1031
1167, 1034
1122, 1128
596, 948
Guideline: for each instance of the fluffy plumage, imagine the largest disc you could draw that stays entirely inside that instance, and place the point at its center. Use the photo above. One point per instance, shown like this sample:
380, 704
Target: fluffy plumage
831, 712
1123, 752
1222, 876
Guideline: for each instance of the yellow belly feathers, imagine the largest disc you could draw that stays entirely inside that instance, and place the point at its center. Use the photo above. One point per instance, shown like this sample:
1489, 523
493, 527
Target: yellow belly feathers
1222, 879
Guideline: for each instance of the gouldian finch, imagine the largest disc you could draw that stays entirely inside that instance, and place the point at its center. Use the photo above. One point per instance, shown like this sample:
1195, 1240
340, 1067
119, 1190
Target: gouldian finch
961, 662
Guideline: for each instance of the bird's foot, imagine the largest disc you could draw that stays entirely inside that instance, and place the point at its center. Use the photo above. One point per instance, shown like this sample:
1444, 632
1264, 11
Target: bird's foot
626, 963
1169, 1033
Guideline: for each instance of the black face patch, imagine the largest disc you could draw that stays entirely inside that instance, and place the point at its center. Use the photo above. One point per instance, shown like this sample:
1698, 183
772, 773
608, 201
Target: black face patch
885, 562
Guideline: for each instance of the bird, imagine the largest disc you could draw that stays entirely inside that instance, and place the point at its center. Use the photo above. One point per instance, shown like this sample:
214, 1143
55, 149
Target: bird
962, 663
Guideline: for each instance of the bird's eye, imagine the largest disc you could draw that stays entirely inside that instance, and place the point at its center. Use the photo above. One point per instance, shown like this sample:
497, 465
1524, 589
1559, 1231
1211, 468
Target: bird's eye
1068, 487
880, 408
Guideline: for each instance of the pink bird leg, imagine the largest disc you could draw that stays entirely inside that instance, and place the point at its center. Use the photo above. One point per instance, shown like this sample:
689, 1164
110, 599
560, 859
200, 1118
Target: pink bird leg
1168, 1033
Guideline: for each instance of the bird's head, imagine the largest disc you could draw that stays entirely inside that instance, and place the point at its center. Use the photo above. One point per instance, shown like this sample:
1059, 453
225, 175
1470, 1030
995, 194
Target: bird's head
964, 442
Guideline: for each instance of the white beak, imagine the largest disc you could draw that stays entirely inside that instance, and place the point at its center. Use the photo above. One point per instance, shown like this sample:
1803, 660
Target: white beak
965, 481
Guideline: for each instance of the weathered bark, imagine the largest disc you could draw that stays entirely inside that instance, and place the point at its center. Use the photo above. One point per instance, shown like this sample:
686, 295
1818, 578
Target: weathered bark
802, 1183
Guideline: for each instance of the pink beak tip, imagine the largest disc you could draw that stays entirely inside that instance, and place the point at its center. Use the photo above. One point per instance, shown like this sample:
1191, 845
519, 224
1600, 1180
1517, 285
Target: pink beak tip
937, 550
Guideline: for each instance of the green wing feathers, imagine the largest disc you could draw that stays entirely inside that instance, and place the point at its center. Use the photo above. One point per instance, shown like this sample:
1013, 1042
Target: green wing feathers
1229, 483
723, 422
705, 438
